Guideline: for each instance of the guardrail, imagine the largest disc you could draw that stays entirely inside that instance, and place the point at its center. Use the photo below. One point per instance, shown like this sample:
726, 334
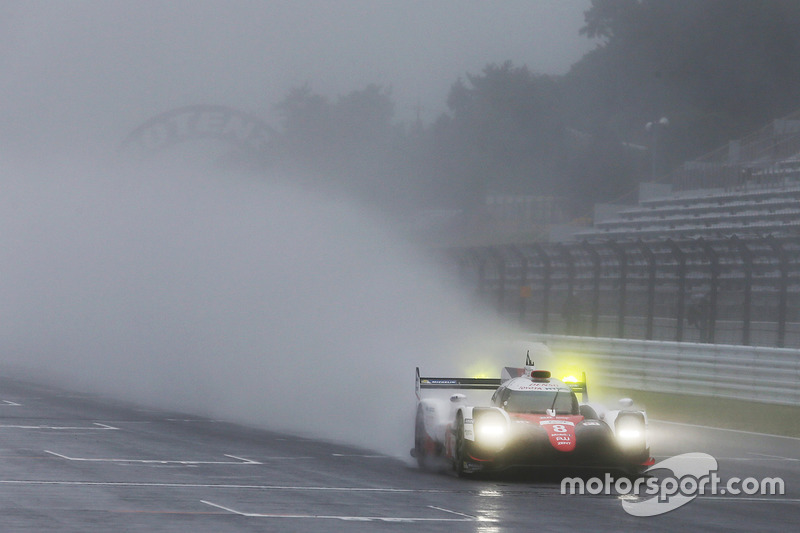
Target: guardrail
770, 375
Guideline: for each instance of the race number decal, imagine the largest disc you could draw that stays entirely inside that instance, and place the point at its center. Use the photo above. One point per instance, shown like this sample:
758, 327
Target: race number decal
561, 434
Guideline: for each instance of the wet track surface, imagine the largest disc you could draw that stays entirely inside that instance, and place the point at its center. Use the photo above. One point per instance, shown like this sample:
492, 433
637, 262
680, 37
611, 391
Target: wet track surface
71, 462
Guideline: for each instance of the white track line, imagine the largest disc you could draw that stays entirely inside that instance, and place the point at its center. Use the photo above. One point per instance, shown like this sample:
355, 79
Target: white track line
72, 428
223, 486
773, 457
725, 429
13, 404
470, 517
239, 460
462, 517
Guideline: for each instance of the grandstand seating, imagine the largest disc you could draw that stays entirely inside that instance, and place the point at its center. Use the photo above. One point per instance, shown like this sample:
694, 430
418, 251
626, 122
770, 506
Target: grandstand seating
749, 187
709, 213
722, 238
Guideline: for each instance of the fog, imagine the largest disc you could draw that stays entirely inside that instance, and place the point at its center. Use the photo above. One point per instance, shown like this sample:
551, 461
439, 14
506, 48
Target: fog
93, 70
224, 296
253, 299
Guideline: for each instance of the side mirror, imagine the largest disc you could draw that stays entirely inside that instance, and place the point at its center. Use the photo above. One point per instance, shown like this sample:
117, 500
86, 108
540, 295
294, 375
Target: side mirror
625, 403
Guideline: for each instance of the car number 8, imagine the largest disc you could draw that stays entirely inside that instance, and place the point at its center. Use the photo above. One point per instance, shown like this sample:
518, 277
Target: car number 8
558, 428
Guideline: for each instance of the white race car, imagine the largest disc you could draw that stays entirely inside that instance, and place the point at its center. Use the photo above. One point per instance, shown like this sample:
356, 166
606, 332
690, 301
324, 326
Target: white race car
525, 418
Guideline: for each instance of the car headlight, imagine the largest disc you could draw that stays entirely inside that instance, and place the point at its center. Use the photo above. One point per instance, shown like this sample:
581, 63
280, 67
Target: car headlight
630, 431
491, 430
629, 435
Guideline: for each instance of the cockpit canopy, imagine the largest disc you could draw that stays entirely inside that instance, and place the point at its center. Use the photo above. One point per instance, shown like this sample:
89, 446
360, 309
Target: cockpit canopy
563, 401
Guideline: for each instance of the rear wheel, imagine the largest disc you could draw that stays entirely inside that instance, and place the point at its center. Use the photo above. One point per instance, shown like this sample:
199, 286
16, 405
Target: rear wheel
420, 439
634, 471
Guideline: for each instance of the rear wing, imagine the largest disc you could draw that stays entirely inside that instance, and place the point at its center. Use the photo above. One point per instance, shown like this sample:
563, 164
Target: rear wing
455, 383
578, 387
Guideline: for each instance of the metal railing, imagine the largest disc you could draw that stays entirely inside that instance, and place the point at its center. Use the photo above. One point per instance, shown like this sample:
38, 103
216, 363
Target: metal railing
732, 290
769, 375
765, 157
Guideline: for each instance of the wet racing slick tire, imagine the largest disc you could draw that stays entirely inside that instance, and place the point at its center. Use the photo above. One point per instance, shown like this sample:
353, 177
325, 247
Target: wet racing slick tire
460, 447
420, 439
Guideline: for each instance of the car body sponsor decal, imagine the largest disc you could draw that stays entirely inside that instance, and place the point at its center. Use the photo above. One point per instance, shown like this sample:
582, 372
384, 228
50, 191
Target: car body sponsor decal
560, 431
533, 385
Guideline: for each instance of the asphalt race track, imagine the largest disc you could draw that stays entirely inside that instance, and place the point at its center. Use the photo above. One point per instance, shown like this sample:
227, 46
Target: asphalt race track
72, 462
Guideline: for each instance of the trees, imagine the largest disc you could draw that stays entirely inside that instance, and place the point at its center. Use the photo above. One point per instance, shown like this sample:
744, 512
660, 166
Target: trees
717, 68
350, 144
502, 133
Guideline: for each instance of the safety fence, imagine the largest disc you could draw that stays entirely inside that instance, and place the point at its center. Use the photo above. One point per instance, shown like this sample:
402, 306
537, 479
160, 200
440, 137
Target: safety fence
734, 290
769, 375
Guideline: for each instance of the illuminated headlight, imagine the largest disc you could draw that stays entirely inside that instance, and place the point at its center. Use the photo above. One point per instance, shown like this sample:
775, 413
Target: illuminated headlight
491, 431
628, 435
630, 432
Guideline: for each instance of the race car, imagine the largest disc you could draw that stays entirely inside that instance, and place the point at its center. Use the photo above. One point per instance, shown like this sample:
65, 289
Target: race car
525, 418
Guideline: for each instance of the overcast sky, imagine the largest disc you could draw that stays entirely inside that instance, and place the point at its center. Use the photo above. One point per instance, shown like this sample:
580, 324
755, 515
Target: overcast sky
96, 69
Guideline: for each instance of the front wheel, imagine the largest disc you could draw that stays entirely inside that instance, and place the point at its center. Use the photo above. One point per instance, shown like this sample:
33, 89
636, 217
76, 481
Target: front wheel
460, 451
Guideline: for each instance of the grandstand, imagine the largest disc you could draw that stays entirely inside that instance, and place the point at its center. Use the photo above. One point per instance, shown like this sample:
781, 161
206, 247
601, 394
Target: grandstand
706, 213
749, 187
711, 256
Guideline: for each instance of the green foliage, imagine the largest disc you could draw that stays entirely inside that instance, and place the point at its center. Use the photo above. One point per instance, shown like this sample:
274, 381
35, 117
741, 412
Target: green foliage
717, 69
504, 128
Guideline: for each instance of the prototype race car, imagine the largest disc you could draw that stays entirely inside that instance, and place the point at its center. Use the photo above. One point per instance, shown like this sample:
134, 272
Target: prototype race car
531, 419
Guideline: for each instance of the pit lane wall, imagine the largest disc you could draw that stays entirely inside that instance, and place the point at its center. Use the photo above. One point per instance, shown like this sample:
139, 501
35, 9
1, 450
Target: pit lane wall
748, 373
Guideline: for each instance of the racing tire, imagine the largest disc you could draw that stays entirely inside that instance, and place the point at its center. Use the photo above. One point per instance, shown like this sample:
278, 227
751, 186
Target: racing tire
636, 469
634, 472
588, 412
460, 448
420, 436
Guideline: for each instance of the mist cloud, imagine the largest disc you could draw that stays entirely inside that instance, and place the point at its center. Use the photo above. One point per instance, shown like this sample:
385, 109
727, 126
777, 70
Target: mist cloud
248, 299
224, 296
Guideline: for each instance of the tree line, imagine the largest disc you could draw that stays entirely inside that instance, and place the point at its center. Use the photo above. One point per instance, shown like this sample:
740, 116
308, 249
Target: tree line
717, 69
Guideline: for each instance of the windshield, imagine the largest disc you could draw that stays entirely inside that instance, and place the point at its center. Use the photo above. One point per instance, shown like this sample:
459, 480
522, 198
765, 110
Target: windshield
537, 402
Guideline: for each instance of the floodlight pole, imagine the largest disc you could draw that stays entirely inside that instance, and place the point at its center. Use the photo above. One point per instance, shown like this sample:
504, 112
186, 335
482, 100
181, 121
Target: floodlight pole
655, 128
